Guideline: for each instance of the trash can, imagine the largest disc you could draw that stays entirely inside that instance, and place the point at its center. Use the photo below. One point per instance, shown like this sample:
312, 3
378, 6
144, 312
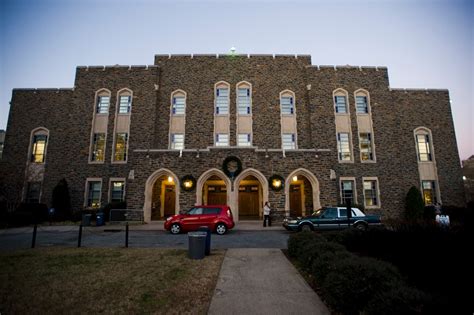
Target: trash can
99, 219
86, 219
196, 245
208, 238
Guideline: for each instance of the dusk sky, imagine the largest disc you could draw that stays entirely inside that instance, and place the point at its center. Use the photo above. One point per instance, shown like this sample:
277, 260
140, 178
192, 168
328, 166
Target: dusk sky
424, 44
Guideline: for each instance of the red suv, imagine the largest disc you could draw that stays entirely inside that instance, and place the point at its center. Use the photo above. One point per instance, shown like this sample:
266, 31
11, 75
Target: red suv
217, 217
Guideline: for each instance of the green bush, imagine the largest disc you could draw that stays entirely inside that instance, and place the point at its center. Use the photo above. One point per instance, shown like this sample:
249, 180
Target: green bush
414, 205
298, 242
326, 262
313, 250
398, 300
353, 282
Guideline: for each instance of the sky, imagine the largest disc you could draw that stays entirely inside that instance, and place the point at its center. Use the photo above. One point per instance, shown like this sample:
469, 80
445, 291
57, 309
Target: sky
424, 44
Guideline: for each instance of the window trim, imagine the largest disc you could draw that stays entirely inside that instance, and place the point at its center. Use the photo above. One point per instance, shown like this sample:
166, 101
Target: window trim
171, 140
294, 127
93, 131
243, 84
114, 148
174, 94
436, 191
353, 179
117, 179
362, 92
379, 202
38, 131
217, 86
286, 93
427, 132
340, 92
249, 135
86, 191
221, 146
351, 147
372, 145
124, 92
99, 93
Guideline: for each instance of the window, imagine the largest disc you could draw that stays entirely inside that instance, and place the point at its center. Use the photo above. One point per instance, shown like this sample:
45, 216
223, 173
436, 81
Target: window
179, 104
93, 193
343, 212
33, 192
365, 140
244, 140
370, 193
211, 210
98, 147
177, 141
125, 104
429, 192
222, 140
287, 105
222, 101
347, 191
120, 153
343, 146
103, 104
423, 144
361, 105
195, 211
38, 151
288, 141
340, 103
330, 213
117, 193
243, 101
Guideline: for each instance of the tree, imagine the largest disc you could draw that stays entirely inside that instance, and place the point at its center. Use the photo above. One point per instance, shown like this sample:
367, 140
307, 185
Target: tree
414, 205
61, 201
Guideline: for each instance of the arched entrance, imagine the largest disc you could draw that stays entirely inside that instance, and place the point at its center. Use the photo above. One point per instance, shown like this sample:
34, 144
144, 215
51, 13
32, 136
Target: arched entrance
161, 195
252, 192
301, 193
213, 187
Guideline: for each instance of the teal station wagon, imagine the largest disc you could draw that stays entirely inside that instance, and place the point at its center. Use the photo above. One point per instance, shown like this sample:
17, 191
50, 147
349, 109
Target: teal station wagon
331, 218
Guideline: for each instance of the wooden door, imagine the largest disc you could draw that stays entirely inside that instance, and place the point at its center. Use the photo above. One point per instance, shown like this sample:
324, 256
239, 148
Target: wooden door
295, 201
170, 201
216, 195
249, 207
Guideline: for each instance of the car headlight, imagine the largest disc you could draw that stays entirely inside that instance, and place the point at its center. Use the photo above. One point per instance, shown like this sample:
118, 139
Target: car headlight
292, 221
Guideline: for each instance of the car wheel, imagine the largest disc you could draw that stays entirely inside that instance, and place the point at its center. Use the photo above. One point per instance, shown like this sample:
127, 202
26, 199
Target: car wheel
306, 228
361, 226
221, 228
175, 228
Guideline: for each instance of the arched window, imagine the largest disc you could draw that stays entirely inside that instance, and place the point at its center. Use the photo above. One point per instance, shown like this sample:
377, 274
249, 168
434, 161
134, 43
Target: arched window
424, 147
341, 101
222, 97
362, 101
244, 98
39, 143
102, 102
124, 101
178, 102
287, 102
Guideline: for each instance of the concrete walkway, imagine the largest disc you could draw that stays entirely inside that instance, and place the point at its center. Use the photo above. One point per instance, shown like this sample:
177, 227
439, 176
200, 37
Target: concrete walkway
262, 281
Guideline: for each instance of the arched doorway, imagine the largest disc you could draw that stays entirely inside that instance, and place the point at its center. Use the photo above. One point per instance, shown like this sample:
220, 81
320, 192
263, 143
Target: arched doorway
301, 193
161, 195
251, 193
213, 187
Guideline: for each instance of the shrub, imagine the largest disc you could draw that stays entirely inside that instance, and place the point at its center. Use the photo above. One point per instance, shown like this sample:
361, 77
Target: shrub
298, 242
28, 213
313, 250
414, 204
349, 288
326, 262
399, 300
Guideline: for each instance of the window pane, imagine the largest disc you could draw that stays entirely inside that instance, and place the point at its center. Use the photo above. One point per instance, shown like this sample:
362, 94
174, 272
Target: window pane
344, 148
121, 140
365, 147
179, 105
424, 153
288, 141
125, 104
370, 192
103, 104
243, 101
98, 147
222, 101
243, 140
118, 189
429, 193
93, 199
287, 106
347, 191
33, 192
361, 104
340, 104
177, 141
222, 140
38, 150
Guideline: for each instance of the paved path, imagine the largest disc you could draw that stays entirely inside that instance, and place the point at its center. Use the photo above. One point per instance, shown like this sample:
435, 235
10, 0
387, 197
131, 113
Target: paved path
262, 281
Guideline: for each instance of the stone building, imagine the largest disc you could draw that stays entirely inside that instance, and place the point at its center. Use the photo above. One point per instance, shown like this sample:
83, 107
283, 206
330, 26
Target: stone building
236, 130
468, 178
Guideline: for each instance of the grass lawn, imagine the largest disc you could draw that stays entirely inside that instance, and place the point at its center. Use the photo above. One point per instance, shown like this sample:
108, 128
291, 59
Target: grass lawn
86, 280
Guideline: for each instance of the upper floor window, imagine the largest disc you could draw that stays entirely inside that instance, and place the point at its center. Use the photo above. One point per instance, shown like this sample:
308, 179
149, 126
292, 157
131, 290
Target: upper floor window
423, 146
103, 102
371, 193
366, 149
125, 105
287, 103
343, 146
121, 142
38, 151
362, 101
98, 147
177, 141
244, 140
222, 99
178, 103
340, 101
288, 141
243, 100
117, 191
348, 191
222, 140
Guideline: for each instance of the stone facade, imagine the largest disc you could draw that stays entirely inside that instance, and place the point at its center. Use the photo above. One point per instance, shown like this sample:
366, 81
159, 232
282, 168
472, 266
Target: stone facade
395, 114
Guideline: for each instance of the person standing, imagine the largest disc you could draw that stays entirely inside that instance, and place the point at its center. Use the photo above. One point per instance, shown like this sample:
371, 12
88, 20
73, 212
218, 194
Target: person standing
266, 214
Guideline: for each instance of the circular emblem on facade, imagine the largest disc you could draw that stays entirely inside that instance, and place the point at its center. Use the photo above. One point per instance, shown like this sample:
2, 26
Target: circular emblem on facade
276, 182
232, 166
188, 183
